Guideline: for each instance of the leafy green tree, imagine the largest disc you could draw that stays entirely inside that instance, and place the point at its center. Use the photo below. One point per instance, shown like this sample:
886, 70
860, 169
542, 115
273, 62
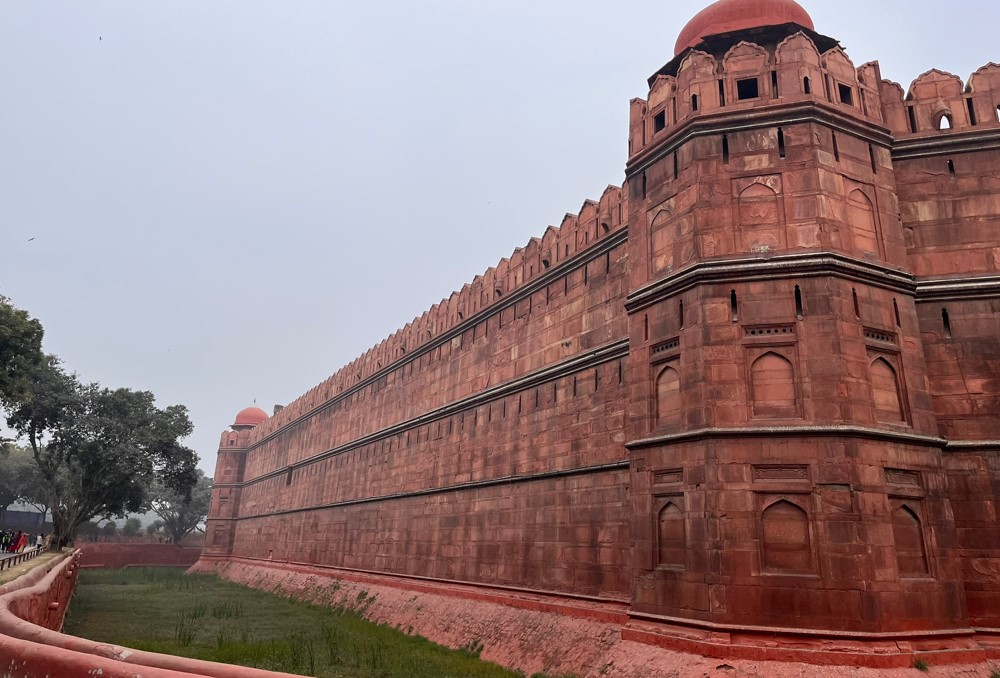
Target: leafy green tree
21, 479
99, 450
154, 527
109, 529
182, 515
20, 350
132, 527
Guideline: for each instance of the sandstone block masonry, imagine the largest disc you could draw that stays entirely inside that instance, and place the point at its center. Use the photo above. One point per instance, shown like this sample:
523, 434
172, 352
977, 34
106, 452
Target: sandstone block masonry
756, 388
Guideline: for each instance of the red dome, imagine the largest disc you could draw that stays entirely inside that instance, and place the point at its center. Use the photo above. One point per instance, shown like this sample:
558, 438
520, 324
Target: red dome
251, 416
737, 15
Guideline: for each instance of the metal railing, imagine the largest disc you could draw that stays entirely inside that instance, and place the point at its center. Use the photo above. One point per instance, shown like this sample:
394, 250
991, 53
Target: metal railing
9, 560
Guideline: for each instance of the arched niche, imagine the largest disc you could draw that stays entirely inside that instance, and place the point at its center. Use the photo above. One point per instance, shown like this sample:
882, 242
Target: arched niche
671, 541
662, 237
772, 387
861, 217
908, 535
785, 541
885, 391
668, 396
759, 216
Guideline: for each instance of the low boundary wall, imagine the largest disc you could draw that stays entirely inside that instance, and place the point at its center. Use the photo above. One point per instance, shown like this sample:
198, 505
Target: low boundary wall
117, 555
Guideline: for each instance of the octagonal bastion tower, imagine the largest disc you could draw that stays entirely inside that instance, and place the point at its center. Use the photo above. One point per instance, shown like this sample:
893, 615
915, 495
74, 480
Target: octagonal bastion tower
750, 399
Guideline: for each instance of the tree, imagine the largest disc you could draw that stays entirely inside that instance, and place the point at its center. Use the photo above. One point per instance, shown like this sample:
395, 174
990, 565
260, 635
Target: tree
132, 527
20, 350
154, 527
21, 479
99, 450
109, 529
182, 515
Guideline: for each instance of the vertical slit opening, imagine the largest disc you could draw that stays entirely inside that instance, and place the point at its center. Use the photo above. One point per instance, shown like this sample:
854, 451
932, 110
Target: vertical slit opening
644, 185
836, 148
734, 307
645, 327
781, 143
895, 312
680, 314
913, 118
722, 92
799, 312
676, 166
725, 149
694, 102
857, 306
774, 84
972, 111
946, 321
871, 156
951, 167
806, 85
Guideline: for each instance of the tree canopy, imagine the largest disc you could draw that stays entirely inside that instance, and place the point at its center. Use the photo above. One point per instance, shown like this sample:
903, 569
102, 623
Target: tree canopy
20, 349
98, 451
180, 515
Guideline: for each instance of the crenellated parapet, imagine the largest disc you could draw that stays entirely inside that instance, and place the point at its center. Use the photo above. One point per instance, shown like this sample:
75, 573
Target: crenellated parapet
575, 235
940, 103
749, 76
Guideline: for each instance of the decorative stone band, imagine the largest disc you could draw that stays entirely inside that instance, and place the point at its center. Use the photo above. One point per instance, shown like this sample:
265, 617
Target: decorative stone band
443, 489
613, 351
770, 268
979, 287
789, 431
778, 115
602, 247
941, 144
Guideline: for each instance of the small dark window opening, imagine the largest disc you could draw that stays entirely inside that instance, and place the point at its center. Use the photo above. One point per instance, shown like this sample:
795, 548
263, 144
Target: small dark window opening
673, 108
288, 478
734, 307
680, 314
586, 276
951, 167
725, 148
694, 102
606, 227
748, 89
871, 156
946, 321
972, 111
799, 313
545, 263
857, 306
846, 94
645, 328
836, 148
677, 169
781, 143
497, 293
806, 85
660, 121
774, 84
722, 92
895, 311
644, 185
913, 118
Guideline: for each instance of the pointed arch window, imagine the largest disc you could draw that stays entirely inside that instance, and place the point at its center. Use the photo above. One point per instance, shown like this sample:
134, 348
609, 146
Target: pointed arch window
885, 391
668, 396
786, 543
908, 535
772, 382
671, 540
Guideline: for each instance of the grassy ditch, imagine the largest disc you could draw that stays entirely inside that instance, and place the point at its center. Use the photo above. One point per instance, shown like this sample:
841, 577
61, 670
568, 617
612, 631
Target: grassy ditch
201, 616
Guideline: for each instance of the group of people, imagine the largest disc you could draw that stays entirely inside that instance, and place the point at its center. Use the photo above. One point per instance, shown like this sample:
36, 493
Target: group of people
17, 542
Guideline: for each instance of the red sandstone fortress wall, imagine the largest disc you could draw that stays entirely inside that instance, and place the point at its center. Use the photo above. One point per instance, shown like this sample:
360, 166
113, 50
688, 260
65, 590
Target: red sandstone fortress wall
757, 387
483, 443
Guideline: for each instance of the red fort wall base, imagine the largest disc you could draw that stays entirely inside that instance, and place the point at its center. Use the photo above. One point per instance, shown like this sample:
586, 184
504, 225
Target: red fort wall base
751, 399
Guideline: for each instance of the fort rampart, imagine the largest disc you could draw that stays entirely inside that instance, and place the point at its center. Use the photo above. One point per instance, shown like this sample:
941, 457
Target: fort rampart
753, 394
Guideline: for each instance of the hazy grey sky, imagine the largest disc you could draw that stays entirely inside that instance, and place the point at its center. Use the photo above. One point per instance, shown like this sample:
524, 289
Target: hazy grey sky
231, 200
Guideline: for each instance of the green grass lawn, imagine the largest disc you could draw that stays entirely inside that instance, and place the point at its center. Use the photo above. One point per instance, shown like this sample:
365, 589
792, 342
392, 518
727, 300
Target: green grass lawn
202, 616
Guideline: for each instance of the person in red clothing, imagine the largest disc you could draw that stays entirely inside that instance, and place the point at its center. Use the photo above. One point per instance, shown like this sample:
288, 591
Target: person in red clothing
22, 542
